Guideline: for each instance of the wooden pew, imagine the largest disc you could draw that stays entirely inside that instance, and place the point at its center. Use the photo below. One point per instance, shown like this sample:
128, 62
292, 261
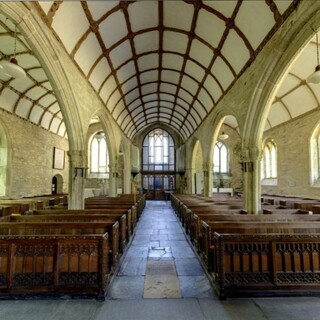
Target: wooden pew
54, 266
65, 216
119, 207
305, 204
196, 218
316, 209
277, 252
126, 199
250, 228
126, 226
67, 228
266, 264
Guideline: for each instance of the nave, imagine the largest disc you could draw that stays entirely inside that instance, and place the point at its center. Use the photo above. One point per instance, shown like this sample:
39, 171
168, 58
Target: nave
160, 277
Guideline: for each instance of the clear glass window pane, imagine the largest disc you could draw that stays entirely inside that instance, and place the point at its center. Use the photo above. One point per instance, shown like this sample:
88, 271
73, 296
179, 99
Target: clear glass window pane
269, 161
223, 159
158, 151
273, 162
94, 155
99, 154
220, 158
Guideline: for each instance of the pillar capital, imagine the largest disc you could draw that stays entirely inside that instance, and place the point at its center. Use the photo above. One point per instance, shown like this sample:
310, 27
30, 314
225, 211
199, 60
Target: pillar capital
78, 158
250, 154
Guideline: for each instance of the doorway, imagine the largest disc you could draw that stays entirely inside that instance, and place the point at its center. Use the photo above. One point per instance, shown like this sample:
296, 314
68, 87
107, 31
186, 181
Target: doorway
57, 184
54, 185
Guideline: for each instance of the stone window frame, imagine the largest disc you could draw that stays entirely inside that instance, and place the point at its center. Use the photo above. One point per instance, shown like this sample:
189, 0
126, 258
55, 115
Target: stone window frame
100, 174
269, 168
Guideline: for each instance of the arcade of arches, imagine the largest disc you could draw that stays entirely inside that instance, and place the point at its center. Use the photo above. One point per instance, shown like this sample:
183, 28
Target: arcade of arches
105, 121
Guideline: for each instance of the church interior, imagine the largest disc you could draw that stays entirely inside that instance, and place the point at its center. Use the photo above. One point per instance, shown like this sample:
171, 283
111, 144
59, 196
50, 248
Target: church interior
161, 157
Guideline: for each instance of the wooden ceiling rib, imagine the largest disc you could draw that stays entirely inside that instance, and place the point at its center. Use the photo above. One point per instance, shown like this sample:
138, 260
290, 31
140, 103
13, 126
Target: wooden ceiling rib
159, 67
31, 91
166, 62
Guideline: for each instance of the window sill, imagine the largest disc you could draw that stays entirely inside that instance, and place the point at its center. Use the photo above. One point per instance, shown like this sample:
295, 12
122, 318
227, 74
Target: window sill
269, 182
316, 183
98, 176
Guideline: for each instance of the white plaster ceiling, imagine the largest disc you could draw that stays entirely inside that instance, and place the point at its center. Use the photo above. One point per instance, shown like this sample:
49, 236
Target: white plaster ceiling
31, 98
156, 61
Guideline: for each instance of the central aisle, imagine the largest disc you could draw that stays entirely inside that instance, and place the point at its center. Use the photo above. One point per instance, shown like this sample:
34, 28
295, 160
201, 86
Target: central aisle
159, 262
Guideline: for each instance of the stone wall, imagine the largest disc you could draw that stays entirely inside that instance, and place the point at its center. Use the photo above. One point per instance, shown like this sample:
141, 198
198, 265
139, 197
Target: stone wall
30, 158
293, 152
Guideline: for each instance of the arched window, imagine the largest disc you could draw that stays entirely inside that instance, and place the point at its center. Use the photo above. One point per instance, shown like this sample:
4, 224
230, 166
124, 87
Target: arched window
158, 151
158, 164
220, 158
315, 157
99, 163
269, 161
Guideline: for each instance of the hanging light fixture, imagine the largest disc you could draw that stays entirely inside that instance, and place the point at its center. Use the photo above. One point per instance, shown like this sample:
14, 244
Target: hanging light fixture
223, 136
315, 76
11, 67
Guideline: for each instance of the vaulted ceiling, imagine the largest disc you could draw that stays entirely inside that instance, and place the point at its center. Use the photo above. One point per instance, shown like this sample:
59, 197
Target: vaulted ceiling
151, 62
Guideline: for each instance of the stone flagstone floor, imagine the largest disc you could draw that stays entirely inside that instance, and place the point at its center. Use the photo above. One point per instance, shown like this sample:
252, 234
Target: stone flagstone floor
160, 262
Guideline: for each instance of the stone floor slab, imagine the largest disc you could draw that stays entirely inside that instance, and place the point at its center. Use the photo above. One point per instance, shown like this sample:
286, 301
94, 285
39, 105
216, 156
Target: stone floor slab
126, 287
161, 287
162, 267
133, 267
189, 267
195, 287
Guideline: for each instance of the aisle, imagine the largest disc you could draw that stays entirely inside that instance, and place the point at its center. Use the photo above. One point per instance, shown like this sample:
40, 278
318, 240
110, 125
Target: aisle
159, 262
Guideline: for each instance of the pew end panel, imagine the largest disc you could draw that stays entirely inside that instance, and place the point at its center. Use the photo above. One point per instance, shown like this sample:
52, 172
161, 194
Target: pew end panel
54, 266
266, 264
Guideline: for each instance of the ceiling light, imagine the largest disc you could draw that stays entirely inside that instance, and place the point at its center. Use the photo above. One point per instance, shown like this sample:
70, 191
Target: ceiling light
315, 76
100, 136
223, 136
11, 67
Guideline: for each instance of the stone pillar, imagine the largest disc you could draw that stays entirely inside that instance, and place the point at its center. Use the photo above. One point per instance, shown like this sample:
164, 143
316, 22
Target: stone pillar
126, 181
77, 175
187, 180
251, 159
113, 181
207, 180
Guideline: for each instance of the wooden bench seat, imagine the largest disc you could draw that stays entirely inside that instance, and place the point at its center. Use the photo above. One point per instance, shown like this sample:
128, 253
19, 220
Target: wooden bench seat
126, 226
108, 218
250, 228
110, 207
305, 204
197, 218
191, 222
276, 210
135, 202
67, 228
